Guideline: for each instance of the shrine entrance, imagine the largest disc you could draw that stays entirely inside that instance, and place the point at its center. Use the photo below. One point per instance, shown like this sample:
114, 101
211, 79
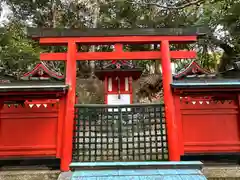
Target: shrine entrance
118, 132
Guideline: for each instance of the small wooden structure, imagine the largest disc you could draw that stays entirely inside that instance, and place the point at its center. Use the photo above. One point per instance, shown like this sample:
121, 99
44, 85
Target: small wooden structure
207, 110
31, 114
118, 77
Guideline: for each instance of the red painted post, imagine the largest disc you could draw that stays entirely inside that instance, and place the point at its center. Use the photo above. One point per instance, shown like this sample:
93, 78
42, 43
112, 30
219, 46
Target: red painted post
70, 102
178, 117
61, 115
172, 130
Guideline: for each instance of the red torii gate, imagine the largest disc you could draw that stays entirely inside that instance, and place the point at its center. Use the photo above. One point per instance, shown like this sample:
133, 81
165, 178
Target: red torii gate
119, 37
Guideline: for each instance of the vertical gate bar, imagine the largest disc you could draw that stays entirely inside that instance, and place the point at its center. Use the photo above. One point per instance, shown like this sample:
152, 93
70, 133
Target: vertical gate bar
70, 102
115, 132
74, 144
120, 133
101, 132
115, 135
151, 141
144, 139
115, 145
134, 121
108, 126
95, 130
127, 132
74, 138
84, 129
111, 129
108, 129
138, 135
166, 133
162, 133
90, 114
77, 133
174, 153
156, 131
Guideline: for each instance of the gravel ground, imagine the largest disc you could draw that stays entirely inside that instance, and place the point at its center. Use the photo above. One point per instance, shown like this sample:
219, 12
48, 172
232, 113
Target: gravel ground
29, 175
222, 172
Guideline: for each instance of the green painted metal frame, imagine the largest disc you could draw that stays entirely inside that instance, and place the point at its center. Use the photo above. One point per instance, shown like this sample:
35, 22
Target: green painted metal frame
120, 133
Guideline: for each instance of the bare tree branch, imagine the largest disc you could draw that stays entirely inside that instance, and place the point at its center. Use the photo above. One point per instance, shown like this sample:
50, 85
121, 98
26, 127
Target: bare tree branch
176, 7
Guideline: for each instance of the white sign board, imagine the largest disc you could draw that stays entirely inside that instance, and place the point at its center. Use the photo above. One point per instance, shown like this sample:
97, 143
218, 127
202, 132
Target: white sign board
113, 99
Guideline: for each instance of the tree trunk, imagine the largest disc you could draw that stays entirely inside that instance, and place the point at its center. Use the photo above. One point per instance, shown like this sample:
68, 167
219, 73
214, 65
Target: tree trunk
228, 54
96, 13
157, 63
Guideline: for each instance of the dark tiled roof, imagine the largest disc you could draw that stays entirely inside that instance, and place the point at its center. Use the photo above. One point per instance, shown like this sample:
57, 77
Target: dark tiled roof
117, 65
35, 84
192, 70
42, 69
206, 83
50, 32
120, 66
194, 76
29, 86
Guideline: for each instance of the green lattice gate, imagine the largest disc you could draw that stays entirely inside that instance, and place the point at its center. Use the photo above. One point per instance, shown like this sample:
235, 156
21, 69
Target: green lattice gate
120, 133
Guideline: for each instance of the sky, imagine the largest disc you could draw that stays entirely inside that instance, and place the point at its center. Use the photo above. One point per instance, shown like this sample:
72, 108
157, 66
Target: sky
4, 13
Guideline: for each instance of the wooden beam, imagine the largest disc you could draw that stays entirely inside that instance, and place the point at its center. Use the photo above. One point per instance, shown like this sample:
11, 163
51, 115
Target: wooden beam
103, 32
140, 55
53, 56
117, 39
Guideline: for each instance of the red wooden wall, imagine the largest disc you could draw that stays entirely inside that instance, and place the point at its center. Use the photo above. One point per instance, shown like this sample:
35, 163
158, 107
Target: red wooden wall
27, 130
209, 123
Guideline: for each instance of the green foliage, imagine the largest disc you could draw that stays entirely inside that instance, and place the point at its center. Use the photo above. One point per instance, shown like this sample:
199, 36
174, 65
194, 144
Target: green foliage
18, 52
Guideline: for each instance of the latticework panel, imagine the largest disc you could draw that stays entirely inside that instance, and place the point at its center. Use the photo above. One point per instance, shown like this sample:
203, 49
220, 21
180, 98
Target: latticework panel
120, 133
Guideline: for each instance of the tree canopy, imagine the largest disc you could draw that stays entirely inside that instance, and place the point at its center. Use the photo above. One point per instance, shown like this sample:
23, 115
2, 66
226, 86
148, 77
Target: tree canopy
215, 51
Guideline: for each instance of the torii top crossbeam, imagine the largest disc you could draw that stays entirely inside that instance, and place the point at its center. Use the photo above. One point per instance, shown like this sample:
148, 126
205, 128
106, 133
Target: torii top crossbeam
58, 32
118, 37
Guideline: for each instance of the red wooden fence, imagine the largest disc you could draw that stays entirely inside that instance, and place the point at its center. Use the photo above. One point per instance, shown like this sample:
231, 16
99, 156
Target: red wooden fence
29, 130
209, 124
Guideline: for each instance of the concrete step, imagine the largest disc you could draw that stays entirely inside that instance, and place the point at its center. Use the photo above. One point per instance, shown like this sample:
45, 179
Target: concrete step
184, 170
